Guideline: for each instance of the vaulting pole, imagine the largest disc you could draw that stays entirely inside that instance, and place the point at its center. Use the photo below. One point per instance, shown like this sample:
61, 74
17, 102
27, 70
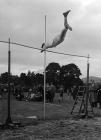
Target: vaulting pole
45, 75
8, 121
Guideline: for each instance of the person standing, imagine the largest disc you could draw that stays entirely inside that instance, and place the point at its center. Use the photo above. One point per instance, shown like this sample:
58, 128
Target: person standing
99, 97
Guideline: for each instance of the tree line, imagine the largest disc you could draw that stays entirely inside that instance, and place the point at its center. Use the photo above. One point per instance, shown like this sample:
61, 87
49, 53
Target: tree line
66, 75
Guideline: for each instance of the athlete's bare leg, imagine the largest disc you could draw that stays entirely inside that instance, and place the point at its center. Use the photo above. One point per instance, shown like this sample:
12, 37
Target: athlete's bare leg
67, 26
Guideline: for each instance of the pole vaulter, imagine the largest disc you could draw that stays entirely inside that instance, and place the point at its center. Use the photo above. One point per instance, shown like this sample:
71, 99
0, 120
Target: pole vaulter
59, 38
56, 41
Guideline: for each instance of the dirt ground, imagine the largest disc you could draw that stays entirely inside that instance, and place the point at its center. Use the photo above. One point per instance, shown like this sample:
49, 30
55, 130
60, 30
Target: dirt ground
67, 129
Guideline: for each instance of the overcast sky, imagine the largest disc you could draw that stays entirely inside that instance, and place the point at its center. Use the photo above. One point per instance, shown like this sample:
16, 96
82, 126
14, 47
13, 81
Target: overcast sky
24, 22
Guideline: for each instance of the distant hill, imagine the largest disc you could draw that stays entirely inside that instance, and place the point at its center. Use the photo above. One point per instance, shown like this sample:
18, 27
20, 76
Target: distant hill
96, 79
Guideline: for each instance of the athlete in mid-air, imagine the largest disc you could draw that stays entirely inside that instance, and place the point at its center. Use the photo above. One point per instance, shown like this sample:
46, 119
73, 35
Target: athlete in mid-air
59, 38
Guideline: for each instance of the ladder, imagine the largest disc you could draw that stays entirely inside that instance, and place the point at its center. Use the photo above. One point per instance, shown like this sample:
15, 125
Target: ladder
80, 102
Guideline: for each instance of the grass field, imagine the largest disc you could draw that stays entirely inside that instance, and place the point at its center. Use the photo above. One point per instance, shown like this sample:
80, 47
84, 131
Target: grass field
20, 110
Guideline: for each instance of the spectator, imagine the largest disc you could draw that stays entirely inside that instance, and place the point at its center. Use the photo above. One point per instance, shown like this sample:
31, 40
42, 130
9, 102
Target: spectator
61, 91
93, 94
99, 97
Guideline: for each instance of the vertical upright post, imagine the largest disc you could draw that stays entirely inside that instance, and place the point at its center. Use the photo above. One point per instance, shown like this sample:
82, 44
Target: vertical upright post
87, 88
9, 60
45, 75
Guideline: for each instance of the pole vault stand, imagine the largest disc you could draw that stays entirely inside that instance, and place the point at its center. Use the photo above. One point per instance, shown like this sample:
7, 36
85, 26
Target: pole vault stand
8, 123
85, 101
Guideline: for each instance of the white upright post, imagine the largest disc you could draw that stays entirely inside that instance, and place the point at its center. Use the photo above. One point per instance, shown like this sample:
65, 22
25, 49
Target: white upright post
45, 75
87, 88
